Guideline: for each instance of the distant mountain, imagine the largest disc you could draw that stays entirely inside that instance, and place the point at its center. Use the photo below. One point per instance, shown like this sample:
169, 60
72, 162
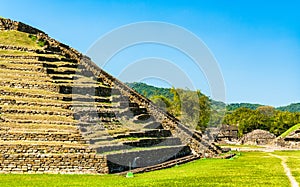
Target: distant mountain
234, 106
294, 107
150, 91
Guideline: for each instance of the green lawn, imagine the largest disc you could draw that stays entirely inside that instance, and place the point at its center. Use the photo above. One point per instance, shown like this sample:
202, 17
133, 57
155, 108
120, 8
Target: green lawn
249, 169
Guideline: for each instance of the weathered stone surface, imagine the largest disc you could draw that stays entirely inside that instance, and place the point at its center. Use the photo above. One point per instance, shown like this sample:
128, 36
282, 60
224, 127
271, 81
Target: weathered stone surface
292, 140
257, 137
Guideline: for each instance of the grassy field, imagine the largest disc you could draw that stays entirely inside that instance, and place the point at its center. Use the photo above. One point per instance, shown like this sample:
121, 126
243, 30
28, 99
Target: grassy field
293, 162
249, 169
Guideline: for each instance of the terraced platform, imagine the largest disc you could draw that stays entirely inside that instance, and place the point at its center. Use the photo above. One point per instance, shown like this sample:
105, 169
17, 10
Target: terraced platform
291, 140
61, 113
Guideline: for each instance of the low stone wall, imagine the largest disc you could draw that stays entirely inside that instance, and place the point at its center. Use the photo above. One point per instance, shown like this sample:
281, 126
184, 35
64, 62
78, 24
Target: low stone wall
17, 84
31, 136
28, 111
19, 57
18, 48
53, 163
42, 149
24, 94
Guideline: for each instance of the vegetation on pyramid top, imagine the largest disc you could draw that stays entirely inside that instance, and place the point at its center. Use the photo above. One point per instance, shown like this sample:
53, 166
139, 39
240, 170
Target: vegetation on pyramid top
22, 39
293, 128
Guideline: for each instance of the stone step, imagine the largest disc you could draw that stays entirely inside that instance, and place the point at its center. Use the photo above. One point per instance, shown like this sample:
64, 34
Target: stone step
94, 113
76, 100
100, 139
147, 133
90, 120
30, 93
210, 148
118, 162
23, 68
83, 124
17, 73
167, 164
31, 57
45, 103
55, 59
25, 62
34, 111
28, 50
16, 48
293, 139
28, 127
91, 90
153, 125
31, 121
148, 142
43, 117
76, 79
53, 147
20, 62
124, 146
60, 64
98, 105
61, 72
29, 85
82, 99
41, 136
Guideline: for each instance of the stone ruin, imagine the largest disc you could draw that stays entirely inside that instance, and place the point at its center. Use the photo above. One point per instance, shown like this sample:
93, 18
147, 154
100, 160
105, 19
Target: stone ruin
257, 137
222, 135
290, 141
61, 113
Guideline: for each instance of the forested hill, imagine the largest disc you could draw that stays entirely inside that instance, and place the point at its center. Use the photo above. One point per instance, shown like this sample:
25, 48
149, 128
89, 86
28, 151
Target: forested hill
234, 106
294, 107
151, 91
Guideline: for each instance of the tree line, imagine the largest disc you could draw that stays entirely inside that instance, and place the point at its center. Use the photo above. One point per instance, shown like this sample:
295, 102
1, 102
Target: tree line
198, 111
264, 117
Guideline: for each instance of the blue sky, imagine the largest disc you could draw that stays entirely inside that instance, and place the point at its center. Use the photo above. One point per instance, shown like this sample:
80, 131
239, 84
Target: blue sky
257, 44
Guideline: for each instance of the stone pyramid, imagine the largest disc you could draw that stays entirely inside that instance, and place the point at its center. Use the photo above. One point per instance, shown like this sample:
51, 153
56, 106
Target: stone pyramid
61, 113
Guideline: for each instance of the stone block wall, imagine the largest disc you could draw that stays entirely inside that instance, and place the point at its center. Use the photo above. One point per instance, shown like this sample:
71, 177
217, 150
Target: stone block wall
39, 136
9, 148
53, 163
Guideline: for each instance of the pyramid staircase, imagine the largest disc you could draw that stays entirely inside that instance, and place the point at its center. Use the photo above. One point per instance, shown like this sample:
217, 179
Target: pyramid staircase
61, 113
